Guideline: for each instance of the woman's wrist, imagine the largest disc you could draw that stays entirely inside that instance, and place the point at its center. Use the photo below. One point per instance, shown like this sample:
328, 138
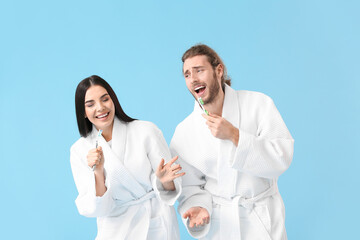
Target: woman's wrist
169, 186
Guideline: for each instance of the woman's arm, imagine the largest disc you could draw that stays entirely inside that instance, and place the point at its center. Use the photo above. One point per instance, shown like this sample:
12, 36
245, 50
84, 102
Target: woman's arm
93, 200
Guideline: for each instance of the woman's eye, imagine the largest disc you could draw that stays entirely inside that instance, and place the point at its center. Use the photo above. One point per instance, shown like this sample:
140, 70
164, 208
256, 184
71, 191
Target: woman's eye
105, 99
89, 105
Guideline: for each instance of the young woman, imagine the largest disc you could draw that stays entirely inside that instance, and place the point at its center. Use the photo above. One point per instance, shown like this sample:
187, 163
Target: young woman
120, 175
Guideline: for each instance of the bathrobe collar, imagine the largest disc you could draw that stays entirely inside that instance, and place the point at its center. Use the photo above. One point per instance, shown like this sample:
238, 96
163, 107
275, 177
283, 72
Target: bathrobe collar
114, 156
118, 138
227, 176
230, 110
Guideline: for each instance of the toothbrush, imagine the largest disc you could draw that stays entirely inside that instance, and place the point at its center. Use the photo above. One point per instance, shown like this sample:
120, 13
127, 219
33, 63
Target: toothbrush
97, 143
201, 103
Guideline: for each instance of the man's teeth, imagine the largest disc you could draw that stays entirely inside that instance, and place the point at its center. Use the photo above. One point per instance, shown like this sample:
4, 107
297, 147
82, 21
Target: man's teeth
198, 89
104, 115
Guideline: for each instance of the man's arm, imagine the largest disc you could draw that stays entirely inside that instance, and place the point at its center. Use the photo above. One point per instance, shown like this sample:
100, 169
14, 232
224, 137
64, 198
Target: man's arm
268, 153
195, 203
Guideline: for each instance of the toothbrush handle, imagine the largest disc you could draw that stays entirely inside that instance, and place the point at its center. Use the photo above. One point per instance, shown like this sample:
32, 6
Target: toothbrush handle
93, 167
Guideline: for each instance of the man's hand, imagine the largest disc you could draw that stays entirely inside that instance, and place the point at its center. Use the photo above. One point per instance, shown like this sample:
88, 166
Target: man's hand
198, 216
221, 128
168, 172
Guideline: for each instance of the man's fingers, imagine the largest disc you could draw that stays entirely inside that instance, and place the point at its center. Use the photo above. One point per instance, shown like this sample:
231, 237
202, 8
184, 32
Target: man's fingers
208, 117
191, 225
214, 115
211, 116
210, 124
186, 214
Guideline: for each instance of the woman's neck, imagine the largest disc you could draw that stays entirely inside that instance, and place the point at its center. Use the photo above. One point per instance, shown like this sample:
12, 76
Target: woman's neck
107, 132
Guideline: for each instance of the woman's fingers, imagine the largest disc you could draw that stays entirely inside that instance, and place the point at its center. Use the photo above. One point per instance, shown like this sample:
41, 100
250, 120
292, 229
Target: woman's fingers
161, 165
178, 175
175, 167
173, 160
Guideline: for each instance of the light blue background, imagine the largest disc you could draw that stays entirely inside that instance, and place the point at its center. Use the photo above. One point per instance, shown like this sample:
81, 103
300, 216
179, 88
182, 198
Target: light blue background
304, 54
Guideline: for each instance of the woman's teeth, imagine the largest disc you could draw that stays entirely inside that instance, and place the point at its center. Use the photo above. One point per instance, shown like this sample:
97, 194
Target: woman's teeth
102, 116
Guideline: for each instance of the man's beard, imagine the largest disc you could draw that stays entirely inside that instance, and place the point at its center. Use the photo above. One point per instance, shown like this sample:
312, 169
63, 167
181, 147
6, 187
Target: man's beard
213, 89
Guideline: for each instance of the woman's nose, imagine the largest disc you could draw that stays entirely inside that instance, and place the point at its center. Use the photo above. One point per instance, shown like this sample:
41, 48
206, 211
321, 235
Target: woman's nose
99, 107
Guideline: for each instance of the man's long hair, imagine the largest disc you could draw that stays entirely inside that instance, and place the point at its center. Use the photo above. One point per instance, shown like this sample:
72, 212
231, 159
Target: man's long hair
213, 58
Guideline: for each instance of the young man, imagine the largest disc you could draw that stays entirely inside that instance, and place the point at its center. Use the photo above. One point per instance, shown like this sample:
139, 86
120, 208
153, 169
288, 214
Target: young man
232, 157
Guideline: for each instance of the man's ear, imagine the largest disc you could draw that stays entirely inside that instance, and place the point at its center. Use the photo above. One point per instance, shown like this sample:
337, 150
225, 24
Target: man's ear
219, 70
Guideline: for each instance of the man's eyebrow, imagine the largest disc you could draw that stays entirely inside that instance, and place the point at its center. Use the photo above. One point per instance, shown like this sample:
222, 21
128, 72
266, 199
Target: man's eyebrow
186, 72
196, 67
88, 101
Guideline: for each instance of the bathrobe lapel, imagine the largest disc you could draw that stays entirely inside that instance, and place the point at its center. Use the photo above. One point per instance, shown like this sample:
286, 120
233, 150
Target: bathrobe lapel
114, 159
226, 174
138, 210
226, 149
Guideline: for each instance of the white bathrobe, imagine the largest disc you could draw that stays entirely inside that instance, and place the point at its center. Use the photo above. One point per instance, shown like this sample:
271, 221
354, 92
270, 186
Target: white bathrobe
236, 184
135, 206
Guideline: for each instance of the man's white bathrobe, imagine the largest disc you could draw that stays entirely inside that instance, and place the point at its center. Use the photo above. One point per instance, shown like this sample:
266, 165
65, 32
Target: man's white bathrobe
135, 206
236, 184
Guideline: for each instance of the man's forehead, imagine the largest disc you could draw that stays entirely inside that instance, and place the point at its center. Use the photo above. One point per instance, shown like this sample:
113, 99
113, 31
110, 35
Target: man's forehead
195, 62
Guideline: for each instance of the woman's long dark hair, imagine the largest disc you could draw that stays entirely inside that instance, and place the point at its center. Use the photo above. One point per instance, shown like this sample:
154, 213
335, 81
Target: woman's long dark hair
84, 125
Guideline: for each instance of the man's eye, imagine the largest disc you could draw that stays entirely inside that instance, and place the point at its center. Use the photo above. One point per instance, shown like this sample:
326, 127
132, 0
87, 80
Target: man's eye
186, 75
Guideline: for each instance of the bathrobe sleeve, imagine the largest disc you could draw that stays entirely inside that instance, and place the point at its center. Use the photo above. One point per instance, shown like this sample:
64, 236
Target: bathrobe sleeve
269, 152
157, 149
87, 202
193, 192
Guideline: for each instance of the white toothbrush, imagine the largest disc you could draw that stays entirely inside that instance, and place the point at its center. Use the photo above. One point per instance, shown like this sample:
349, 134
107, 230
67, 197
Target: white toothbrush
97, 143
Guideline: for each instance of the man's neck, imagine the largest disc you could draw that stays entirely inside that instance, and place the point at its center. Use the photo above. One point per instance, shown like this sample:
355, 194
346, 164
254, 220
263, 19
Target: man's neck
216, 106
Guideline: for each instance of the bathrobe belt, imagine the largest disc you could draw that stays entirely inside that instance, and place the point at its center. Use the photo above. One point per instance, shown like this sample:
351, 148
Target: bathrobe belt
137, 216
136, 201
229, 214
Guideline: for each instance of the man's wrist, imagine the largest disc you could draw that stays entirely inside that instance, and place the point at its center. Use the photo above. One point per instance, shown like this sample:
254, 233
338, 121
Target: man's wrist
235, 136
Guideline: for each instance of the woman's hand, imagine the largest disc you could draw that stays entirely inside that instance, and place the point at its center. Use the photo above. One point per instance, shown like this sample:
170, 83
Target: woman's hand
96, 157
167, 173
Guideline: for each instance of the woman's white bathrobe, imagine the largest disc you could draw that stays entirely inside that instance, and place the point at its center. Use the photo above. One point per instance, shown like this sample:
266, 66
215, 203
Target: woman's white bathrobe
135, 206
236, 184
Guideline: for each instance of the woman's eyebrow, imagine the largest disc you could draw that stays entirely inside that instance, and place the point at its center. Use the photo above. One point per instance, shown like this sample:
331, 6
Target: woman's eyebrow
100, 97
104, 95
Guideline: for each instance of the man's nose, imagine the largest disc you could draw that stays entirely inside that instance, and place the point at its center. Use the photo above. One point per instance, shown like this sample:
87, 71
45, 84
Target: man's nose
194, 77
